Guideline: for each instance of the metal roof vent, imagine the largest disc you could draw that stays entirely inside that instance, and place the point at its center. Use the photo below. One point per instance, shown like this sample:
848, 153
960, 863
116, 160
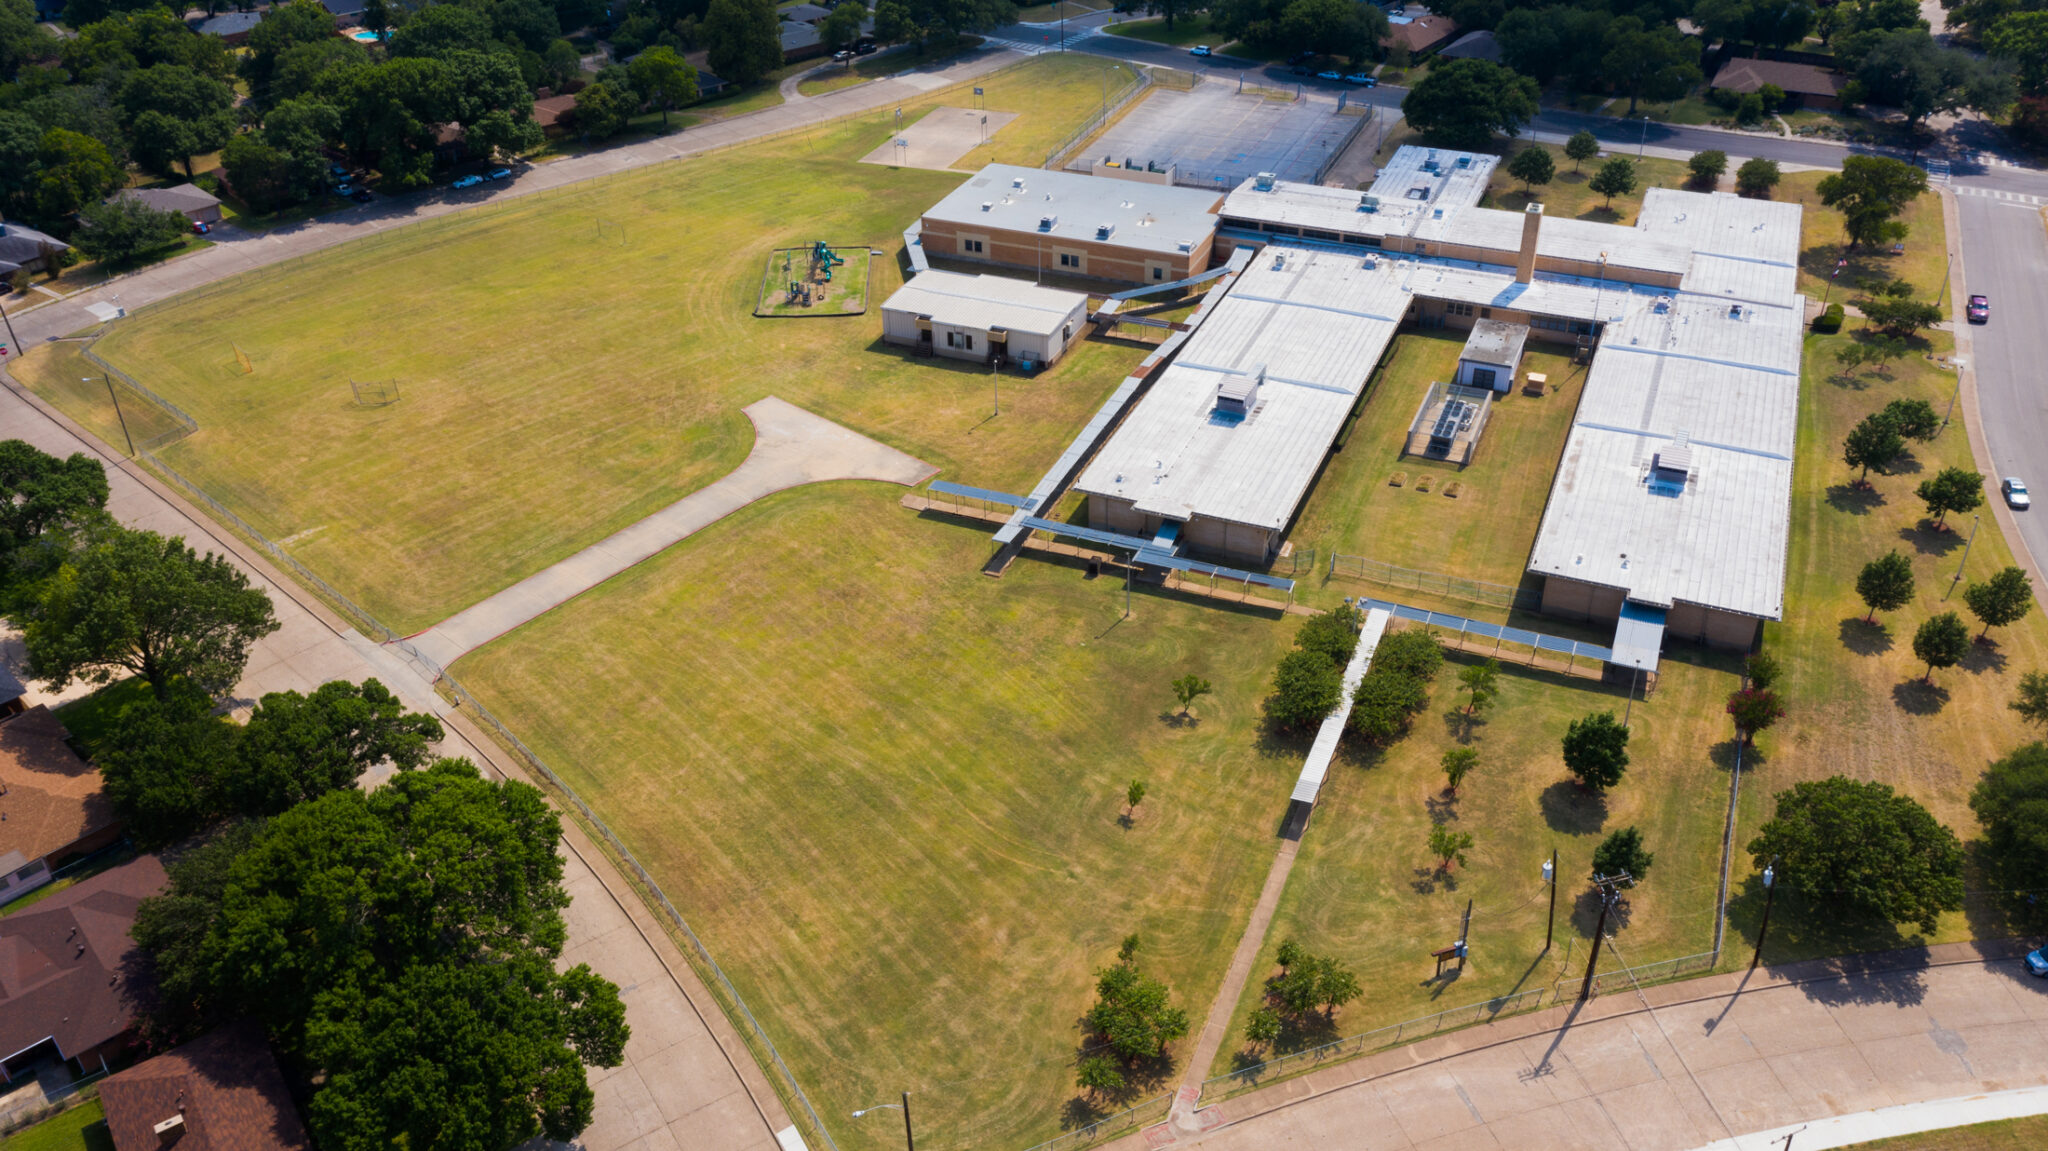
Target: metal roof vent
1464, 161
1105, 231
1279, 261
1047, 223
1187, 245
1371, 261
1236, 396
988, 205
1264, 181
1368, 203
1735, 311
1018, 183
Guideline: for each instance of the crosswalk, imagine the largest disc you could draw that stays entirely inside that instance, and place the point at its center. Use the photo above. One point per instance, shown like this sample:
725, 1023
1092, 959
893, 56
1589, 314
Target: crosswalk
1995, 194
1937, 170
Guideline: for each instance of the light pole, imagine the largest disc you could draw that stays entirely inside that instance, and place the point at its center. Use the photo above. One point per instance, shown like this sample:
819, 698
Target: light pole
1975, 521
1770, 892
109, 381
1550, 877
1960, 364
1645, 140
908, 1143
1629, 710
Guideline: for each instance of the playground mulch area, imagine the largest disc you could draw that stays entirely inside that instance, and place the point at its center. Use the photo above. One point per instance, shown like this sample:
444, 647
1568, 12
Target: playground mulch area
804, 282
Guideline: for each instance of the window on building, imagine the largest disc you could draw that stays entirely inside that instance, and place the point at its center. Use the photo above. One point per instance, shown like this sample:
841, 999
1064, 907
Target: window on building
970, 245
1158, 273
1069, 260
961, 340
1486, 313
1456, 309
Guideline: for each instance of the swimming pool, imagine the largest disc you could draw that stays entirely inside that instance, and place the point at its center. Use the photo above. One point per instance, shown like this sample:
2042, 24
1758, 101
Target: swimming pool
364, 37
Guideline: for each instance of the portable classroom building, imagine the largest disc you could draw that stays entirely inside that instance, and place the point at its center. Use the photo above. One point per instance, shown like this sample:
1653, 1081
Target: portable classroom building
980, 317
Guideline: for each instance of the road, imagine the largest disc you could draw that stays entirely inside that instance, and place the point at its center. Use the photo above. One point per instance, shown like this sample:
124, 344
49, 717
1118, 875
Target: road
2005, 257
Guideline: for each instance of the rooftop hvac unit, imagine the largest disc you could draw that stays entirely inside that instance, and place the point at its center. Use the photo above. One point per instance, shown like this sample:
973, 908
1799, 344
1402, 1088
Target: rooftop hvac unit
1017, 183
1264, 181
1371, 261
1735, 311
1368, 203
1104, 231
1430, 164
1279, 261
1238, 395
988, 205
1047, 223
1464, 161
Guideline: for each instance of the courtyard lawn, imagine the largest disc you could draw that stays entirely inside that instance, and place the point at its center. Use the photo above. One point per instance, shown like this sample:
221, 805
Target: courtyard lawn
586, 368
887, 791
1366, 890
1924, 264
1568, 193
83, 1128
1485, 531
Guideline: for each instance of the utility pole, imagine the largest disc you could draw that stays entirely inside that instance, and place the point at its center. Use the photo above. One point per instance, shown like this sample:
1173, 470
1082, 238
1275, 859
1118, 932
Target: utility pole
1630, 710
109, 381
1550, 877
11, 338
1610, 893
1465, 936
909, 1144
1770, 892
1975, 522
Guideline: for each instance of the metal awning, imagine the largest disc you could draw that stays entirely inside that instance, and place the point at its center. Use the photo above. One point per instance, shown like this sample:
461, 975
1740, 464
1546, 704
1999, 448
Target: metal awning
1638, 637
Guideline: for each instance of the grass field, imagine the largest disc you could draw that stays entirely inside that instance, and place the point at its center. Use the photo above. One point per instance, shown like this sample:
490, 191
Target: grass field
1490, 525
83, 1128
1568, 194
1924, 263
2004, 1135
845, 294
562, 388
886, 789
61, 374
1186, 31
886, 63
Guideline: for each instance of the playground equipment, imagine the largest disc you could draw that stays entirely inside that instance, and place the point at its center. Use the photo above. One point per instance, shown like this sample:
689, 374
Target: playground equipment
810, 289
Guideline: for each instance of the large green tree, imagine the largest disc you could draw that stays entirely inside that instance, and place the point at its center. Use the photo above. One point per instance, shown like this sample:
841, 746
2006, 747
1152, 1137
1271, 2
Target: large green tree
743, 39
398, 945
1951, 490
1596, 750
1464, 103
1384, 702
1331, 634
283, 27
1862, 849
163, 762
40, 492
1907, 70
21, 39
1885, 584
2021, 42
122, 229
135, 602
1306, 688
1651, 62
663, 79
2003, 599
1872, 443
2011, 802
176, 112
1941, 641
296, 747
1870, 192
1617, 177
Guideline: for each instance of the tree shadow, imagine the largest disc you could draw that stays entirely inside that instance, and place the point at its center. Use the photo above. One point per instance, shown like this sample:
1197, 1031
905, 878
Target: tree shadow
1850, 381
1722, 755
1985, 655
1461, 726
1442, 807
1179, 720
1428, 880
1918, 697
1585, 915
1863, 637
1572, 809
1929, 540
1904, 464
1855, 499
1861, 960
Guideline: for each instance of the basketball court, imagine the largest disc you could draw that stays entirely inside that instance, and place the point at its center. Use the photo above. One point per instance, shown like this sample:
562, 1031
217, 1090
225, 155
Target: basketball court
940, 138
1216, 135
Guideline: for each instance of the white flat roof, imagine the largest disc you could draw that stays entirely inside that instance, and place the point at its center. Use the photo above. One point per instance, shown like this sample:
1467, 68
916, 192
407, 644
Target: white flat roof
1144, 217
1316, 324
985, 301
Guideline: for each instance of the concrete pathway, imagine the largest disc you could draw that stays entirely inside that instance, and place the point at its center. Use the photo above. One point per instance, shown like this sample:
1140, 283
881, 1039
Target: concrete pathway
1889, 1122
236, 250
1723, 1061
688, 1080
791, 447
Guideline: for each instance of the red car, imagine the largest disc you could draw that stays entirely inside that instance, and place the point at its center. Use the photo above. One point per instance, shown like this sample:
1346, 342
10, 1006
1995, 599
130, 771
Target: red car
1979, 309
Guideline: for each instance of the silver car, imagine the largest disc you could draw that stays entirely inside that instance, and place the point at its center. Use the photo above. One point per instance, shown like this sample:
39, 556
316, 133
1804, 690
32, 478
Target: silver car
2016, 496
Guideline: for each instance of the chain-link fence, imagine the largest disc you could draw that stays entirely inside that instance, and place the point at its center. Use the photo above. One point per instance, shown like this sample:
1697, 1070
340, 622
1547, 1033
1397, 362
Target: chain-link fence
186, 425
1150, 1111
1433, 583
1360, 118
1625, 978
1113, 106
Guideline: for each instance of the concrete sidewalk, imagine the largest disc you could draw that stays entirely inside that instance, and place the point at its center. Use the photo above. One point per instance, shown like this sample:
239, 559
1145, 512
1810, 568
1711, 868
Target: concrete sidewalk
791, 447
688, 1080
235, 250
1683, 1065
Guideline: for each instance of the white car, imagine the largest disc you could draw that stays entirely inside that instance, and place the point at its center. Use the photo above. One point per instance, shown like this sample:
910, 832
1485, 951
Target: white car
2015, 490
1200, 50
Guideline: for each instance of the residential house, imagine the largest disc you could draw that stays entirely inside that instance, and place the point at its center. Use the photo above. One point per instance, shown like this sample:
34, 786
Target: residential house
1808, 85
188, 200
52, 806
71, 985
220, 1092
23, 249
233, 27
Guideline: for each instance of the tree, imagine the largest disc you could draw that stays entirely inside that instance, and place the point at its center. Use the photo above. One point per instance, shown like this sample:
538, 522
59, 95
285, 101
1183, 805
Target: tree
123, 228
2021, 42
1870, 192
1596, 750
41, 493
1706, 167
1913, 419
145, 604
1262, 1027
296, 748
742, 39
1134, 1014
1582, 147
389, 111
1861, 848
1331, 634
284, 27
1384, 703
163, 762
1306, 688
1332, 28
1134, 795
1098, 1074
1761, 669
1458, 763
843, 27
1850, 357
1465, 102
1899, 316
2032, 701
1617, 177
1336, 985
1288, 954
21, 39
1448, 847
1481, 682
1532, 166
602, 110
1623, 851
1754, 709
176, 112
398, 946
1756, 178
1885, 584
1188, 688
71, 171
1906, 69
1653, 61
1414, 651
1951, 490
1942, 641
2011, 802
663, 79
2003, 599
1874, 442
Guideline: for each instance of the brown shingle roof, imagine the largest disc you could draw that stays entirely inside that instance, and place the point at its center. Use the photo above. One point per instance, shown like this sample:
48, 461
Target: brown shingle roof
1745, 75
67, 963
226, 1085
1422, 33
550, 111
52, 798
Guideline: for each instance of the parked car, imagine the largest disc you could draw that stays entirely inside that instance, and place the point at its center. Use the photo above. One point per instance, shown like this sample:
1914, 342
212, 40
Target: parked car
337, 171
1302, 57
843, 55
470, 181
1200, 50
1332, 74
865, 48
344, 189
498, 174
361, 196
1360, 79
2037, 964
1979, 309
2016, 496
201, 227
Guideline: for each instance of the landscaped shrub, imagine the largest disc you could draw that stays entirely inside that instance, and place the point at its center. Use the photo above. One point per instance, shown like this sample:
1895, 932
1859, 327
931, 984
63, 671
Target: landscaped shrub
1830, 321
